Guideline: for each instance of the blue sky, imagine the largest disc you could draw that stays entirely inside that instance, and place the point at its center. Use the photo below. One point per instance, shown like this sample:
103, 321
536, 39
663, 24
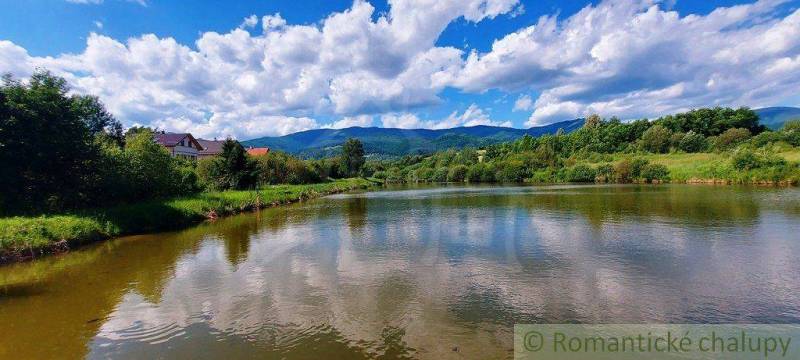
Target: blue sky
253, 68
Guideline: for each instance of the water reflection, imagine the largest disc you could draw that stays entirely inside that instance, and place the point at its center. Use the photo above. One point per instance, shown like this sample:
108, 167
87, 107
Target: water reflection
424, 273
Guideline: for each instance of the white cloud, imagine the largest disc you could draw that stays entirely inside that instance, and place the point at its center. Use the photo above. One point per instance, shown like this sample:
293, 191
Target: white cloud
619, 57
472, 116
633, 58
249, 22
350, 121
523, 103
98, 24
352, 63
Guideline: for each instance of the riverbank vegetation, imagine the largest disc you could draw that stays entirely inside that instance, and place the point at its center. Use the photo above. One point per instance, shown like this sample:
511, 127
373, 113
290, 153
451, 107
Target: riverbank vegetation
71, 174
62, 152
29, 236
706, 145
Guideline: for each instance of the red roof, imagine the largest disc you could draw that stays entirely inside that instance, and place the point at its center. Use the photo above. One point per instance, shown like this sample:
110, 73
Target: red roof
258, 151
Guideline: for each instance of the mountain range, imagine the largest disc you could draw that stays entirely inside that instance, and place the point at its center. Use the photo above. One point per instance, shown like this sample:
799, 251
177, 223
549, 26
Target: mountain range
390, 142
396, 142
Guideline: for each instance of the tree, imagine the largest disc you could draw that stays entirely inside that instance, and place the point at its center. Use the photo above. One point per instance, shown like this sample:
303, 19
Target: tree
47, 149
352, 159
592, 121
656, 139
233, 169
692, 142
730, 138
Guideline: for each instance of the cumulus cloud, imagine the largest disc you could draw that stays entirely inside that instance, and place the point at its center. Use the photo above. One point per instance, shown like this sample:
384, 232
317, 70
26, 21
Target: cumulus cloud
634, 58
523, 103
249, 22
352, 63
472, 116
350, 121
618, 57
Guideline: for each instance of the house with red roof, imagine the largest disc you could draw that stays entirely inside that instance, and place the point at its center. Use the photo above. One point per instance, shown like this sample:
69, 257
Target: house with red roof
257, 151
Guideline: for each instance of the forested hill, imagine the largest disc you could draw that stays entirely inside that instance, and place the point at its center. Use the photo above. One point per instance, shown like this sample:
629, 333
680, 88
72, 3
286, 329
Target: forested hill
774, 117
388, 142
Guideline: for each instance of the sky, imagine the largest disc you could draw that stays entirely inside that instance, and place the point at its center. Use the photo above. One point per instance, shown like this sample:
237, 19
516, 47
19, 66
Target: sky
266, 68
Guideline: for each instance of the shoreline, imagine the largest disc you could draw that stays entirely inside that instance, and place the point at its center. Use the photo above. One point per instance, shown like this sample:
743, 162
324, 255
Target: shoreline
61, 233
29, 238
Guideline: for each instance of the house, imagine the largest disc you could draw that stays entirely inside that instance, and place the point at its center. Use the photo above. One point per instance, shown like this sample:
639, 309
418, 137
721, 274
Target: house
253, 151
179, 145
210, 147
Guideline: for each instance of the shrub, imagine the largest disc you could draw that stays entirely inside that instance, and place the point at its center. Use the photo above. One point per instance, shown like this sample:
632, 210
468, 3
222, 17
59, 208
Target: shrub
425, 174
791, 125
652, 172
730, 138
380, 175
457, 173
605, 172
622, 171
581, 173
440, 175
656, 139
749, 160
637, 165
692, 142
766, 138
511, 171
746, 160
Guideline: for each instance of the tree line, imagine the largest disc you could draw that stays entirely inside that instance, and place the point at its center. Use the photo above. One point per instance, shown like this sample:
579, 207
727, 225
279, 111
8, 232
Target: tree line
61, 151
566, 157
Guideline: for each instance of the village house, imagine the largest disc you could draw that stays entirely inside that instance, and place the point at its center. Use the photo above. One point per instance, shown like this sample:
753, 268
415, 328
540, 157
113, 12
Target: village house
210, 148
179, 145
257, 151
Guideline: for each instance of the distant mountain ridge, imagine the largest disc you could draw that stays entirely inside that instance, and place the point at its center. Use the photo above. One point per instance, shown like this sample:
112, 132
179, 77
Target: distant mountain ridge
396, 142
775, 117
390, 142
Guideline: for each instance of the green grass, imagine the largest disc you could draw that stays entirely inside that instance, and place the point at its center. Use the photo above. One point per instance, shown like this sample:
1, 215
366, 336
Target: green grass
31, 236
717, 167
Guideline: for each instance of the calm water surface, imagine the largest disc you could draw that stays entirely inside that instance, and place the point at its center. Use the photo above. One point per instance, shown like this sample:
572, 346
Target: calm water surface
414, 273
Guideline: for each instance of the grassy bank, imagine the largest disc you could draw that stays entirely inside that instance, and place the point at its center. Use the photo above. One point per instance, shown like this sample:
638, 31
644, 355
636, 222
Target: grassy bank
26, 237
718, 168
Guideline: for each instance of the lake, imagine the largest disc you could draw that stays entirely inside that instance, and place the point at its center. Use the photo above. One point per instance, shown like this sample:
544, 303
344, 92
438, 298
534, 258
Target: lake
427, 272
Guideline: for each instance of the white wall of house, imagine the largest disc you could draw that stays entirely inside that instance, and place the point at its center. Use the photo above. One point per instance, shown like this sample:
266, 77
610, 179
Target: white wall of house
185, 151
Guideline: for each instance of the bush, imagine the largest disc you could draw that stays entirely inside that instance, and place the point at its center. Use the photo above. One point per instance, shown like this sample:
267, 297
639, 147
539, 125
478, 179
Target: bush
380, 175
637, 165
440, 175
622, 171
457, 173
511, 171
745, 160
656, 139
730, 138
652, 172
791, 125
581, 173
605, 172
766, 138
474, 173
748, 160
692, 142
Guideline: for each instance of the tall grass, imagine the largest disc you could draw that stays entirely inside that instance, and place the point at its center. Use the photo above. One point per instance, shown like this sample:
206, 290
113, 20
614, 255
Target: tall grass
22, 237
